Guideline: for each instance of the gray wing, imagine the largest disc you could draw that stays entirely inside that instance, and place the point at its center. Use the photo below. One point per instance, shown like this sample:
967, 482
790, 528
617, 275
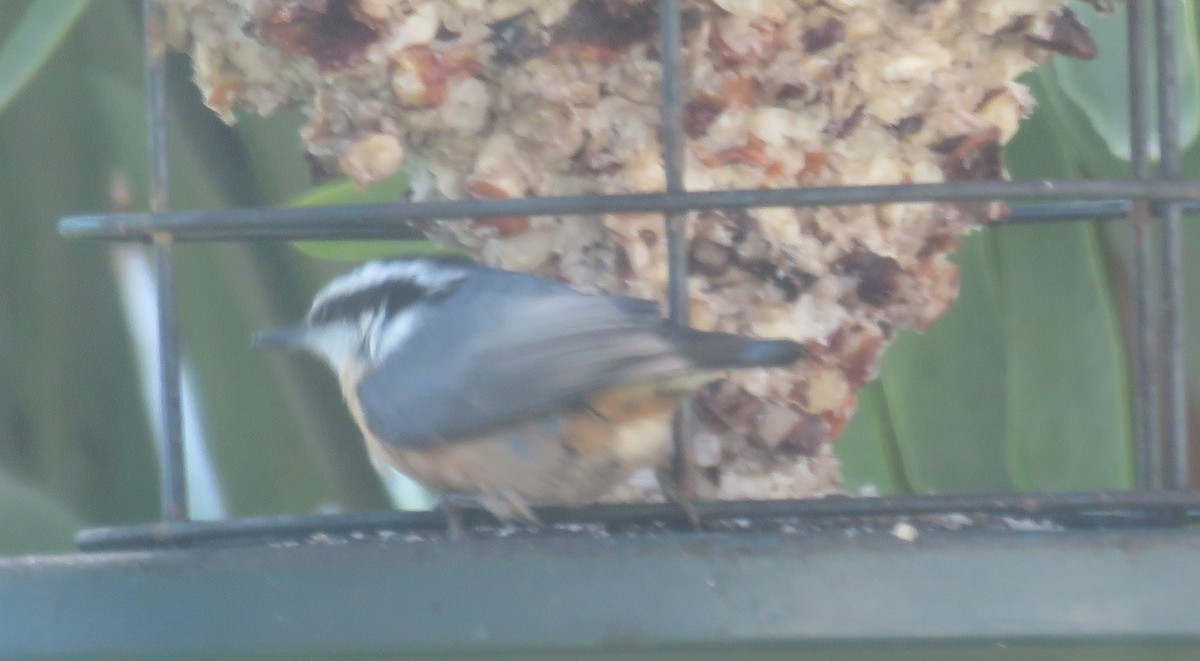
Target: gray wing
540, 354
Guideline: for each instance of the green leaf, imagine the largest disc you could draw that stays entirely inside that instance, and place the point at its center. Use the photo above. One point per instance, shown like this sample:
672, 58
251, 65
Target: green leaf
945, 391
33, 522
271, 147
35, 37
1079, 148
1100, 87
345, 191
79, 428
1068, 417
867, 449
1067, 385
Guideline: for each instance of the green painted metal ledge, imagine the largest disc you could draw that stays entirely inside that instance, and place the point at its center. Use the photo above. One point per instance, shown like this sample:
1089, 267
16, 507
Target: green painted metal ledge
832, 594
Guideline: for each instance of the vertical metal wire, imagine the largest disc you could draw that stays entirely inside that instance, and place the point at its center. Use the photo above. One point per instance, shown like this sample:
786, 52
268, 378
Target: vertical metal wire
1146, 391
673, 145
172, 472
1171, 351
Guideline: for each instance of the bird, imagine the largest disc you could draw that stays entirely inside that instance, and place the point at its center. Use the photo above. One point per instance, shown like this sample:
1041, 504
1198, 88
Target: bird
509, 389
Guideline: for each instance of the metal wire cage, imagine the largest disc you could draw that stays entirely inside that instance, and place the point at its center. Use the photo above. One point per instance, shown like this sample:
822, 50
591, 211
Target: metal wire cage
1153, 202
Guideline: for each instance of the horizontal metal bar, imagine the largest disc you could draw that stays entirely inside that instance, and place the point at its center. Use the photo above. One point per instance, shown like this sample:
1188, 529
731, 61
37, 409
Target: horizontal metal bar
360, 598
1069, 211
401, 220
1085, 509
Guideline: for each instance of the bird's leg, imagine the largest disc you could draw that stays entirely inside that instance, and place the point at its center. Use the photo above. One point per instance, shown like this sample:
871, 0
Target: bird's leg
681, 483
453, 508
666, 482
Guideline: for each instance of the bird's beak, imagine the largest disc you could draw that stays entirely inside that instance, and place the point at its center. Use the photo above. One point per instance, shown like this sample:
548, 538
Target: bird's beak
288, 337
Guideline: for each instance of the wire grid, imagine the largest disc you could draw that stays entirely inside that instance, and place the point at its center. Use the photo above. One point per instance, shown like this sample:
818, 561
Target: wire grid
1153, 206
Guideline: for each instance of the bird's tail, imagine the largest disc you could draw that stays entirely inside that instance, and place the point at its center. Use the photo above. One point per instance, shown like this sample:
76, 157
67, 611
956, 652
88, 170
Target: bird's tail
716, 351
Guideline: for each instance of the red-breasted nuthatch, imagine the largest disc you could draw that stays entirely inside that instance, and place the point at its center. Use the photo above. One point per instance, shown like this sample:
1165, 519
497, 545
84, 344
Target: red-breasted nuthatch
507, 387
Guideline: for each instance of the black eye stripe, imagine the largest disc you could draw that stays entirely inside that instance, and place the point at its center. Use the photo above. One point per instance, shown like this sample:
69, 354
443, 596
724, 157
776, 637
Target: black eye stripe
391, 295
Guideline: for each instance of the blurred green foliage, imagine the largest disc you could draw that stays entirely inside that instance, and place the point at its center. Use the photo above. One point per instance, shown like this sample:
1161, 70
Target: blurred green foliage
73, 424
33, 37
1023, 385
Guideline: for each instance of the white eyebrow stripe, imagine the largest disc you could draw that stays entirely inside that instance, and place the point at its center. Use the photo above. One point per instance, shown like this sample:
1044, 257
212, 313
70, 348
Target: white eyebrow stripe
428, 275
